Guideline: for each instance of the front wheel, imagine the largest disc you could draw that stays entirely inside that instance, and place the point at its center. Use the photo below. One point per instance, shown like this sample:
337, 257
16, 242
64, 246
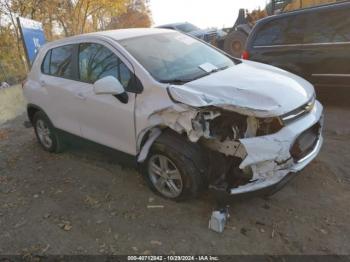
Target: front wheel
175, 168
165, 176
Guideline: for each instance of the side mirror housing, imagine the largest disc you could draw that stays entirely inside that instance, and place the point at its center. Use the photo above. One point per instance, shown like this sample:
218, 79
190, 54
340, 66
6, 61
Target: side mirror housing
110, 85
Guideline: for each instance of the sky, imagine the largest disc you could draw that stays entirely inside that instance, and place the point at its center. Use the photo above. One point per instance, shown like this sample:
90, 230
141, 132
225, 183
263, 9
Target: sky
202, 13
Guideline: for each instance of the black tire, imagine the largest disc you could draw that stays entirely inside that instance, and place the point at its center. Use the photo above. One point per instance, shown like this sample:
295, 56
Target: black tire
57, 143
235, 43
187, 158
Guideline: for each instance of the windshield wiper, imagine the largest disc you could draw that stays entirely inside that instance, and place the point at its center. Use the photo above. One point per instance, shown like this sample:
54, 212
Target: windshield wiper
175, 81
183, 81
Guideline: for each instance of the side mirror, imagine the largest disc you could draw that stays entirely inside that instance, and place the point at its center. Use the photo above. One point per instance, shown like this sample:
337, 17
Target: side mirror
111, 86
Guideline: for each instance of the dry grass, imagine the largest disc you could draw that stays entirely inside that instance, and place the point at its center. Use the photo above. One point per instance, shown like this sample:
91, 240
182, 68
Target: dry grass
12, 103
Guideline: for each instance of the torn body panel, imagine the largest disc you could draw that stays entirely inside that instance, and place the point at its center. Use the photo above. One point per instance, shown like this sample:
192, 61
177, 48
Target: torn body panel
270, 156
253, 153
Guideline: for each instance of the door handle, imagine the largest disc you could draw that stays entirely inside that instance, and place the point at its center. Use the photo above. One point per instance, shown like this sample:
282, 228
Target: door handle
81, 96
42, 83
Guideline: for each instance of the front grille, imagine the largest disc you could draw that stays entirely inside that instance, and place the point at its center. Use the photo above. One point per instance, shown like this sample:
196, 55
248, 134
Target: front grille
305, 142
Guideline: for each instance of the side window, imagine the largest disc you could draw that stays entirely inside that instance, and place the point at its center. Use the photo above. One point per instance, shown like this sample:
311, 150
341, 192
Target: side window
269, 34
328, 27
45, 67
97, 61
124, 74
62, 62
283, 31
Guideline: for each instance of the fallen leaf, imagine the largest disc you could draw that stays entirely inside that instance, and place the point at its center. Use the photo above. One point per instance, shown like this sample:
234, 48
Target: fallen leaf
260, 223
243, 231
46, 248
19, 224
3, 135
323, 231
156, 242
155, 206
91, 201
67, 227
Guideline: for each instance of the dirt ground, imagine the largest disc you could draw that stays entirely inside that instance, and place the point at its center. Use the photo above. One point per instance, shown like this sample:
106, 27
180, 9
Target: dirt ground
83, 202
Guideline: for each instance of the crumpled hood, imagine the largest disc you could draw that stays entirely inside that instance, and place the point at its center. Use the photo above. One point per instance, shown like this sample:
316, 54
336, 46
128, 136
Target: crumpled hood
248, 88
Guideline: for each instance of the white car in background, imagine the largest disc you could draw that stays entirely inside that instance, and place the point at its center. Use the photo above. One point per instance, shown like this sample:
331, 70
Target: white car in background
191, 115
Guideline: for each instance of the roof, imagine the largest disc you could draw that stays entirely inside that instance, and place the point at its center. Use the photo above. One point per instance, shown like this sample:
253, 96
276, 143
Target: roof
119, 34
311, 9
172, 24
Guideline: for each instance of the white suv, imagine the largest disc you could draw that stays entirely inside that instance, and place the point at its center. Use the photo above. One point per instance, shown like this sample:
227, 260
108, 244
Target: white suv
191, 115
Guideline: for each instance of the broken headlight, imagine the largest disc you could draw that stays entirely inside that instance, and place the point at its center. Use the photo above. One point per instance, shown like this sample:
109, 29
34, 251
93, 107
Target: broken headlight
227, 125
233, 126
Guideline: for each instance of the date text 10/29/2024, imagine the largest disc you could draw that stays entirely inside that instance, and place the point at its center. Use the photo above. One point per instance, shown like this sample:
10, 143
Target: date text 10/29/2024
173, 258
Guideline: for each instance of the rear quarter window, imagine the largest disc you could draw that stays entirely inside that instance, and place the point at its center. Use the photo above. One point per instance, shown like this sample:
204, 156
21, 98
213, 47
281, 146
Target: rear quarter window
329, 26
45, 66
61, 62
323, 26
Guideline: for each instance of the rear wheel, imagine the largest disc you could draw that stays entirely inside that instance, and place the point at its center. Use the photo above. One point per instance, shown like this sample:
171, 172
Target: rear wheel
235, 43
175, 167
46, 134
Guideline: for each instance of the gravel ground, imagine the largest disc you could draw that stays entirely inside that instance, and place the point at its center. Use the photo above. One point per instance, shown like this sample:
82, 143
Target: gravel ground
83, 202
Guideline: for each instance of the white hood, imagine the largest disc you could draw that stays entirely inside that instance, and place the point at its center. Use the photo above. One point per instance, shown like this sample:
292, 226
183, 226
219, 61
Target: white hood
249, 88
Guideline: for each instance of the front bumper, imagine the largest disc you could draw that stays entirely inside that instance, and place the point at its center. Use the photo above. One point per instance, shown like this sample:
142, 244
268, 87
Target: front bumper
269, 157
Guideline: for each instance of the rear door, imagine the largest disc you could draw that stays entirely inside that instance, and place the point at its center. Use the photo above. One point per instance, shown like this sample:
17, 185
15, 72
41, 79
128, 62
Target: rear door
326, 51
59, 77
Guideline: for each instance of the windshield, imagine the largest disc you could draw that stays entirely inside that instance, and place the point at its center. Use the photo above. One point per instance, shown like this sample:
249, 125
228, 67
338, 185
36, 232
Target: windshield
175, 57
187, 27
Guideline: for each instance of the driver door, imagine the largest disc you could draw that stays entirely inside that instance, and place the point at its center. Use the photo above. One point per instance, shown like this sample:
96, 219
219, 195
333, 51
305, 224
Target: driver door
104, 118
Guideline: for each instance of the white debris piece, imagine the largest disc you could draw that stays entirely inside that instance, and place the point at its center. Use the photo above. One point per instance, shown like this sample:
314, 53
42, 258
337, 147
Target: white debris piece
218, 220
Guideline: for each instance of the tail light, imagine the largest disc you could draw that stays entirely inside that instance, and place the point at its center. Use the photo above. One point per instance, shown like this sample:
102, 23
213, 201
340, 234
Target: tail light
245, 55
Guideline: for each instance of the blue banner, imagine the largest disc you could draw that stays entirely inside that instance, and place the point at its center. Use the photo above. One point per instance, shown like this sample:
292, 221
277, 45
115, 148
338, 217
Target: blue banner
33, 37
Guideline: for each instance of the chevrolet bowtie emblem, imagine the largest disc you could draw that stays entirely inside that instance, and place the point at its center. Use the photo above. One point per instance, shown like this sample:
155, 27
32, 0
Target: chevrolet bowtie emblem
309, 106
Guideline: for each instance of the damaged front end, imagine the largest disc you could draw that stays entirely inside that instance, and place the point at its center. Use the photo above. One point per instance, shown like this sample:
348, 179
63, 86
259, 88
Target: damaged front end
247, 150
